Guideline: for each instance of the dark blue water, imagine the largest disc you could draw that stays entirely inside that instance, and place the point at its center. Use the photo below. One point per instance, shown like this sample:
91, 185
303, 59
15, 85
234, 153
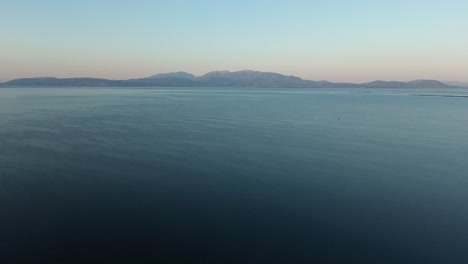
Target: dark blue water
233, 176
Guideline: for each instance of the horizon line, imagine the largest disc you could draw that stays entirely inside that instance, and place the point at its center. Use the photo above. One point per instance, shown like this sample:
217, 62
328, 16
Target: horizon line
229, 71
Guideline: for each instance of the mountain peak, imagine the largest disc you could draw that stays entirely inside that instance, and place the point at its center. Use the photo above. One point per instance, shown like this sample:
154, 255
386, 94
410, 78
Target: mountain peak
180, 74
249, 78
421, 83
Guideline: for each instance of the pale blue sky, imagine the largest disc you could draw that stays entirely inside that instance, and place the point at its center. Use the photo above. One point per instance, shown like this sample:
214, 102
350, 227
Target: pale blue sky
334, 40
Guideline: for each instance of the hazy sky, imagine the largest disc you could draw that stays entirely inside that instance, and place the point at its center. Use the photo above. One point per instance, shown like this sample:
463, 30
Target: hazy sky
347, 40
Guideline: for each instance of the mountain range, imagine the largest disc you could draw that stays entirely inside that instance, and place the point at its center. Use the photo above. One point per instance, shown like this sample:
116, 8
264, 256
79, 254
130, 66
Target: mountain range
246, 78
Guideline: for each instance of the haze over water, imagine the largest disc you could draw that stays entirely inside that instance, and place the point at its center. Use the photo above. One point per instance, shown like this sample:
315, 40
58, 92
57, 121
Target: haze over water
233, 175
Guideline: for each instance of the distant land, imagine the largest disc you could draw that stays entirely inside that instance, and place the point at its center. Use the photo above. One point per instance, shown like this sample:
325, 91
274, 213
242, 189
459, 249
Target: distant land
455, 83
246, 78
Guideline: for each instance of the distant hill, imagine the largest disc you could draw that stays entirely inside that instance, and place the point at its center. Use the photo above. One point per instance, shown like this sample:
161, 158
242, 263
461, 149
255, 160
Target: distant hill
412, 84
455, 83
182, 75
172, 79
384, 84
51, 81
254, 79
246, 78
426, 84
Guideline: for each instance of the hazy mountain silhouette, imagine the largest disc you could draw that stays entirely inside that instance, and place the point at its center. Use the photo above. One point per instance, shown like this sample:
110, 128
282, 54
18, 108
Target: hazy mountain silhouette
52, 81
246, 78
456, 83
412, 84
182, 75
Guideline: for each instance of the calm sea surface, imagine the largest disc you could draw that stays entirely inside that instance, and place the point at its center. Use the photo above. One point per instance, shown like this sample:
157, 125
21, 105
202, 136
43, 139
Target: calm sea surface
233, 176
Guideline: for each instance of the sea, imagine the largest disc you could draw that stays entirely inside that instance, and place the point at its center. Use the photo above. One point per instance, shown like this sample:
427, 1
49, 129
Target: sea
233, 175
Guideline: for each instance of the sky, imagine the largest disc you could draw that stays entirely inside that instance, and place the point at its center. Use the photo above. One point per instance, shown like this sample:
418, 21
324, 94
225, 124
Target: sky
341, 41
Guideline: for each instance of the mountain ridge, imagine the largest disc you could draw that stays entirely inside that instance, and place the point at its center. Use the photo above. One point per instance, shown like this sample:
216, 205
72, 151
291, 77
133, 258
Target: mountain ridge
456, 83
245, 78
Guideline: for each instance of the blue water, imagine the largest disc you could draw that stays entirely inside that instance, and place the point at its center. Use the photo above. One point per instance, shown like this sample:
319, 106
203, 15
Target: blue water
233, 175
